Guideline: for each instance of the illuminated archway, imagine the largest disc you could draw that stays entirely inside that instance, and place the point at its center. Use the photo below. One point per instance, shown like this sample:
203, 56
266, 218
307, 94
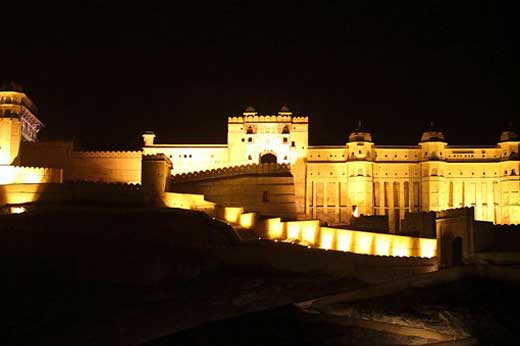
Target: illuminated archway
268, 158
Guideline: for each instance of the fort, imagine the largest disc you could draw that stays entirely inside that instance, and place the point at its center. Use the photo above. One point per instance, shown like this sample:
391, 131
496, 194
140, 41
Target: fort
356, 197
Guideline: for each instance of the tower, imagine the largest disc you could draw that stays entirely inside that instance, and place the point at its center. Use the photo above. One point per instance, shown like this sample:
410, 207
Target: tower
254, 139
360, 162
17, 122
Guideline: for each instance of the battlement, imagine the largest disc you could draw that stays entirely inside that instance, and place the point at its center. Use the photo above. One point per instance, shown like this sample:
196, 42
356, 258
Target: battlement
106, 154
267, 118
251, 169
109, 185
457, 212
29, 175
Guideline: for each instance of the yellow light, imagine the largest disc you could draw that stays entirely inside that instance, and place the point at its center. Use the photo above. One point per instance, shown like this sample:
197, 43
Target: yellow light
428, 247
344, 240
293, 230
327, 238
17, 210
274, 228
355, 213
232, 214
363, 243
382, 245
247, 220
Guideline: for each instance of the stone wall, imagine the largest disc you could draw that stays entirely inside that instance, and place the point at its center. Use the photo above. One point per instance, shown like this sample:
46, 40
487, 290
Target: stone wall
71, 192
105, 166
101, 166
310, 233
270, 195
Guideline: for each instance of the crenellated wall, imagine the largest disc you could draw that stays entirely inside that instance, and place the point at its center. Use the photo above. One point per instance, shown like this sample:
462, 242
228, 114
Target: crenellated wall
267, 189
310, 233
232, 171
105, 166
29, 175
72, 192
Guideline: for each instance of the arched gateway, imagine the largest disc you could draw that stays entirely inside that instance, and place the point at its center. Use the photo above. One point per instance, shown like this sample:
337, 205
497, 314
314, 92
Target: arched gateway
268, 158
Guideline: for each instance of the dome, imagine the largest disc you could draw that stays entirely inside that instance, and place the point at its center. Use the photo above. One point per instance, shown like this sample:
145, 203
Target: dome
11, 86
284, 109
433, 134
509, 136
360, 134
250, 109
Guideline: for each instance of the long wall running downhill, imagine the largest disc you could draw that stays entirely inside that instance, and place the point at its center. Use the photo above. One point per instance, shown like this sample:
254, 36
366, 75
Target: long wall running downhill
312, 234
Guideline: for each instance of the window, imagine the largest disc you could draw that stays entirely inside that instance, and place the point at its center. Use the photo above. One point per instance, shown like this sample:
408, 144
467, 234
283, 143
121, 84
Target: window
285, 140
249, 157
293, 144
285, 129
249, 130
250, 139
265, 196
243, 139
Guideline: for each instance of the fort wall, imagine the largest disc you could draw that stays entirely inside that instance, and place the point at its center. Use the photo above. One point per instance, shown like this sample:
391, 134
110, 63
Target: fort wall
310, 233
271, 195
29, 175
105, 166
72, 192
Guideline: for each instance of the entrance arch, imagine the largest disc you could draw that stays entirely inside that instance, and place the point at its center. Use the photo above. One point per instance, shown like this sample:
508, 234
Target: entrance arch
456, 252
268, 158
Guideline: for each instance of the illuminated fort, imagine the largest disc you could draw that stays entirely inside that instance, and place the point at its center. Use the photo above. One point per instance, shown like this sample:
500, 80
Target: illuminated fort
268, 175
334, 183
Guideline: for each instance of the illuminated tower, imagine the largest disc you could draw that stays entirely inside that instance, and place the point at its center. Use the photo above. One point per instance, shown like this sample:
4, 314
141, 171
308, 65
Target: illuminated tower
360, 164
432, 163
508, 188
254, 138
17, 122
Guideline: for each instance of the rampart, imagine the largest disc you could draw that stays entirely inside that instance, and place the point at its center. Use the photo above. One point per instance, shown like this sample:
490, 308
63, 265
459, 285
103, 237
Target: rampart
310, 233
268, 118
252, 169
29, 175
105, 166
265, 189
71, 192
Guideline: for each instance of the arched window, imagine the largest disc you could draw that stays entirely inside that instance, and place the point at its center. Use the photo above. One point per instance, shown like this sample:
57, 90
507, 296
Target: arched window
249, 130
285, 129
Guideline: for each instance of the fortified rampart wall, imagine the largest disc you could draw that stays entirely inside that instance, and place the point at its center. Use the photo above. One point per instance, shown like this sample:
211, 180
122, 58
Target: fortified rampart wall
252, 169
101, 166
269, 195
29, 175
72, 192
105, 166
310, 233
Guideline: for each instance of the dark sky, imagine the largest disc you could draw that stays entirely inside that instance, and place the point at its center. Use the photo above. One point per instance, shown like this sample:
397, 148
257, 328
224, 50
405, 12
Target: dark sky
103, 74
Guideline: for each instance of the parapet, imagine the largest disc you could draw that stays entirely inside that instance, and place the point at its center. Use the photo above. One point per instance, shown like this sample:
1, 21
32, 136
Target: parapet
251, 169
108, 154
29, 175
108, 185
456, 212
267, 119
157, 157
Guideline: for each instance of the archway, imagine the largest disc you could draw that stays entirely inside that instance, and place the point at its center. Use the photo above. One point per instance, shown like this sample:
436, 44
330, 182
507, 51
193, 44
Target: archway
268, 158
456, 252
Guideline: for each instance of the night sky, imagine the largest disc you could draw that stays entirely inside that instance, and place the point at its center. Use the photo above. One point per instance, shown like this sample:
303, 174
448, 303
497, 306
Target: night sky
103, 74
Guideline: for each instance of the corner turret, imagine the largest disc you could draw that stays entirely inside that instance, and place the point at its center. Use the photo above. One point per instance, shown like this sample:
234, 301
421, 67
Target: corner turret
148, 138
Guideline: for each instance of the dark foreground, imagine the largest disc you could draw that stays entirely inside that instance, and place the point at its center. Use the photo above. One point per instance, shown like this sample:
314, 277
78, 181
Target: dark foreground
479, 308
